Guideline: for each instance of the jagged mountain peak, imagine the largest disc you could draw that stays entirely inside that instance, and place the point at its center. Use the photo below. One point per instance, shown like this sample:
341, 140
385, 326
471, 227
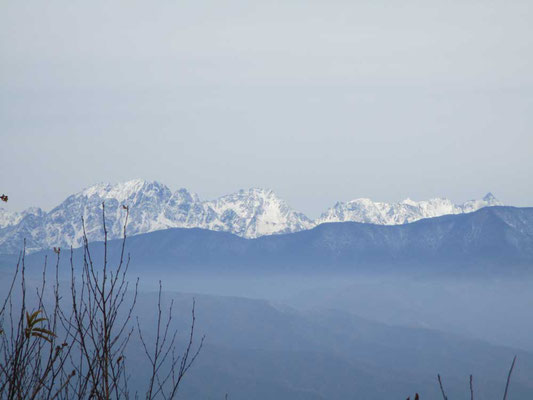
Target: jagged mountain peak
256, 212
247, 213
184, 195
409, 202
360, 200
253, 192
367, 211
489, 198
123, 191
251, 200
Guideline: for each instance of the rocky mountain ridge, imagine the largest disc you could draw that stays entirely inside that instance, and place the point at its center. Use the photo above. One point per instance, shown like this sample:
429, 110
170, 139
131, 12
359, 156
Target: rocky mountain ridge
406, 211
153, 206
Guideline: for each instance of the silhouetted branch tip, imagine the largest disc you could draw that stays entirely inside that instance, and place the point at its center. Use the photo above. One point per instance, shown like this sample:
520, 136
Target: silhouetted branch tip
509, 378
441, 388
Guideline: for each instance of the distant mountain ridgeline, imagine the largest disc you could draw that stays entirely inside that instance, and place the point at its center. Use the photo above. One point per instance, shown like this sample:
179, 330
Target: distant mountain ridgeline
153, 207
281, 353
493, 237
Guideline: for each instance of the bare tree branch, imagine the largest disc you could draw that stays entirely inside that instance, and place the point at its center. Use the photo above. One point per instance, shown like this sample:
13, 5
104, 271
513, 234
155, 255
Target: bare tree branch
509, 379
441, 388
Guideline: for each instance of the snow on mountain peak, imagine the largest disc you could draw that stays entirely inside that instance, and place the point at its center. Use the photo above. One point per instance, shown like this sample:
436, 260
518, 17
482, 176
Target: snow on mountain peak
8, 218
256, 212
123, 191
367, 211
409, 202
152, 206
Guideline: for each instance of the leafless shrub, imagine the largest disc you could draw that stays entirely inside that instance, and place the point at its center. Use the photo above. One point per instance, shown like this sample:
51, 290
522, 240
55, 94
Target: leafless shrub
89, 362
445, 397
33, 361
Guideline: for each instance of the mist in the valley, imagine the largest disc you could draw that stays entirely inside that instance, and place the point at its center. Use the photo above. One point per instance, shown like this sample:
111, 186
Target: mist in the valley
496, 309
335, 335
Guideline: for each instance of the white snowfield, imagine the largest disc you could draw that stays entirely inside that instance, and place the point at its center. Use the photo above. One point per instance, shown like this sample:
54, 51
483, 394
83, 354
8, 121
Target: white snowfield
247, 213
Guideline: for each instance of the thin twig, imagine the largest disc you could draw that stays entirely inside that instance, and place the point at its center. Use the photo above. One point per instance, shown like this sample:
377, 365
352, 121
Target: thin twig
442, 388
509, 378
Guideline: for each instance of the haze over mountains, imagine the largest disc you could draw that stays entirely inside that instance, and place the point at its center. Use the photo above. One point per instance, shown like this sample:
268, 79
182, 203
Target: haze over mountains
490, 240
370, 300
249, 214
257, 350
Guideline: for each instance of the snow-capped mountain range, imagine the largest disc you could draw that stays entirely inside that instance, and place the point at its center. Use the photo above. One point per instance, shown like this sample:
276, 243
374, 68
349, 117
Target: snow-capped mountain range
368, 211
247, 213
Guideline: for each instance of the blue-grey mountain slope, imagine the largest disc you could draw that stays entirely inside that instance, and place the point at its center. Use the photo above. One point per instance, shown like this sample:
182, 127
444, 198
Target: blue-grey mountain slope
256, 350
499, 238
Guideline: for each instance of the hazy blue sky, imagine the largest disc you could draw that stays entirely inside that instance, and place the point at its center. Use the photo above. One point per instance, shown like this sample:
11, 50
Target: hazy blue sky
319, 100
